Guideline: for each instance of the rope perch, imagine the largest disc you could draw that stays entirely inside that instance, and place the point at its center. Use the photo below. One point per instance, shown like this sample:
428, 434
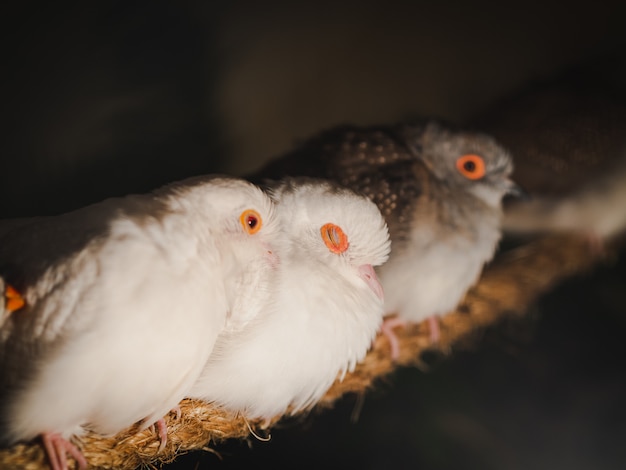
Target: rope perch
513, 281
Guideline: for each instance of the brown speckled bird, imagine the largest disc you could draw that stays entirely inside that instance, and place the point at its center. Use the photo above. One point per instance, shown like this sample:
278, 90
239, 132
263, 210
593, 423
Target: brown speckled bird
568, 136
440, 191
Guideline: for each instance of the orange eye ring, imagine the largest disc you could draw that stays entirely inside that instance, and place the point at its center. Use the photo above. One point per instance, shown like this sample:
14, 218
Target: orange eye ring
251, 221
334, 238
471, 166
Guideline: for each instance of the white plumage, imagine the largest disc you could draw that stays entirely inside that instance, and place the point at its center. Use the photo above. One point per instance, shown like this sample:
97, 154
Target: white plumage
325, 310
124, 302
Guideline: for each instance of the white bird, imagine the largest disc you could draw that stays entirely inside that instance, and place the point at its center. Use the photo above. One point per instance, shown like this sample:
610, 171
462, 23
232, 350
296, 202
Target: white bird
325, 310
124, 300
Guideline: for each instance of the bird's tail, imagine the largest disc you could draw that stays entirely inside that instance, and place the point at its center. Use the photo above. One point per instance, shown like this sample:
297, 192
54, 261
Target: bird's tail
598, 208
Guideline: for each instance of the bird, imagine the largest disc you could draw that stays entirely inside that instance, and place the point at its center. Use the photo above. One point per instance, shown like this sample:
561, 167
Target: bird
440, 189
123, 302
325, 308
567, 134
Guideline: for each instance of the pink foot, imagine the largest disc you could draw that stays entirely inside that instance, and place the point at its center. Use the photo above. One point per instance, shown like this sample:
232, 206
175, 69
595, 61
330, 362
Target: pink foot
435, 331
387, 329
161, 428
57, 448
162, 432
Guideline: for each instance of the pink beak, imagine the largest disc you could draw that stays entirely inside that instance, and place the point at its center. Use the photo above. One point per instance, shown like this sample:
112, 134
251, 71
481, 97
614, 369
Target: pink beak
367, 273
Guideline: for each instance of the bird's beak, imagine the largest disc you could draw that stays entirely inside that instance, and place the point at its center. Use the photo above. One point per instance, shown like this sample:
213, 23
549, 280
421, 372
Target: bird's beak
367, 273
515, 190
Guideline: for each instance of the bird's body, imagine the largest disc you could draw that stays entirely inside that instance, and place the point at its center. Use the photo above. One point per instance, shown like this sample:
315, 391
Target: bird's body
124, 301
431, 273
444, 219
325, 310
569, 140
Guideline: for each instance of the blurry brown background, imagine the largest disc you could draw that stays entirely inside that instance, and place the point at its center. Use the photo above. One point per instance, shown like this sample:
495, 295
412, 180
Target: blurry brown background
103, 99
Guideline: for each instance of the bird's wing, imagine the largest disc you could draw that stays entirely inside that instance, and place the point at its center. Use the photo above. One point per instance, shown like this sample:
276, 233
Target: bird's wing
372, 161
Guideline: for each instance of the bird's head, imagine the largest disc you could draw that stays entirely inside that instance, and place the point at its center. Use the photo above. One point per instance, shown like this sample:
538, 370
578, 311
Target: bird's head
471, 161
333, 225
237, 214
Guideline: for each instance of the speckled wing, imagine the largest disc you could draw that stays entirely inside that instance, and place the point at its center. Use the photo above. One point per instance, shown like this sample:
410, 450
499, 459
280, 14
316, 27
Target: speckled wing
562, 133
373, 161
568, 138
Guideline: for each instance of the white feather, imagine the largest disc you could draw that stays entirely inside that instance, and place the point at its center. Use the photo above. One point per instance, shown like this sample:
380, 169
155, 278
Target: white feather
120, 330
322, 316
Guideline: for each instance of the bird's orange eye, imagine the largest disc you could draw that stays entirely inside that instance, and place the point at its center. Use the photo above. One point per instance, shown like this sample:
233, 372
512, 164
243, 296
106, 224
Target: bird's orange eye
471, 166
251, 221
334, 238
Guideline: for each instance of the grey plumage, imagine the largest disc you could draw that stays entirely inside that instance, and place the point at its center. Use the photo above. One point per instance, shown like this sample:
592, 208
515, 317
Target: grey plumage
394, 166
568, 135
444, 225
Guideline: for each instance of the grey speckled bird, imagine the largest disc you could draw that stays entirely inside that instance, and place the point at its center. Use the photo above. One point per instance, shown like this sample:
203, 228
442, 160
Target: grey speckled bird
440, 191
568, 135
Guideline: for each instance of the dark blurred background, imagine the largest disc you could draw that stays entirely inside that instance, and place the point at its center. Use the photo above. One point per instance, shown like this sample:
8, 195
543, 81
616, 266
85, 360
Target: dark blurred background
102, 99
